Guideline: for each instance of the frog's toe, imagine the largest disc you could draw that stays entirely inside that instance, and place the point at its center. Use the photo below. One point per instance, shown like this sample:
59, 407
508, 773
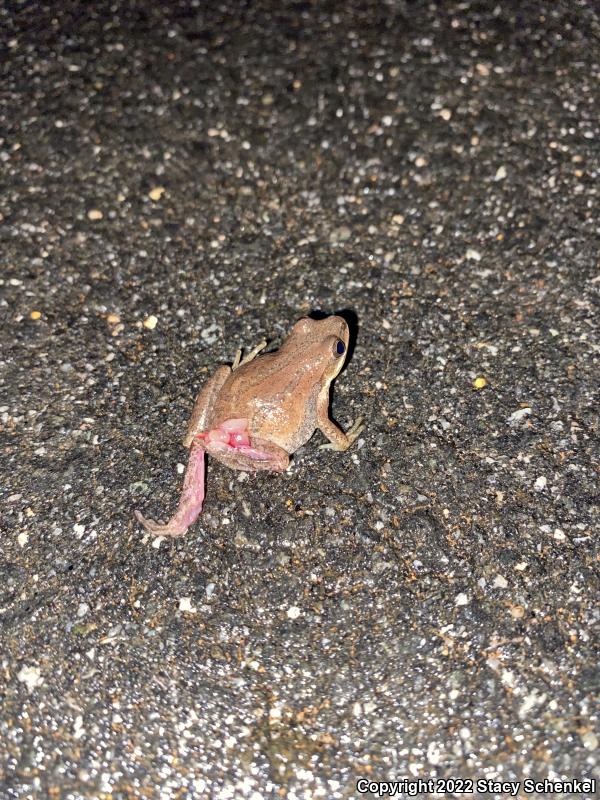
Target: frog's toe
328, 446
356, 429
352, 434
240, 359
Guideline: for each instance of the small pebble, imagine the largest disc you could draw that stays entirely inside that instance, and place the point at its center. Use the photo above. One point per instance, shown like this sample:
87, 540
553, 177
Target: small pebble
79, 730
461, 599
341, 234
31, 676
156, 193
151, 322
589, 740
82, 610
540, 483
479, 382
518, 415
95, 214
500, 174
293, 612
473, 255
185, 604
35, 314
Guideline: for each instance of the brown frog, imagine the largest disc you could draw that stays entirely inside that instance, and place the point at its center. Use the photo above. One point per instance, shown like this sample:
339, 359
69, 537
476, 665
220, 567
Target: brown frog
254, 414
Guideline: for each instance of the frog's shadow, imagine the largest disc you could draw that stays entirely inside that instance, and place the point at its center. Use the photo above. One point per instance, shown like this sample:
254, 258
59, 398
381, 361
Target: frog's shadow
351, 319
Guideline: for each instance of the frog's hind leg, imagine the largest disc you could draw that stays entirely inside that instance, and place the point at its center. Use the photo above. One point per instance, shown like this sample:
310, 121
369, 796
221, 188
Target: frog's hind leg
266, 455
232, 444
257, 456
238, 361
204, 403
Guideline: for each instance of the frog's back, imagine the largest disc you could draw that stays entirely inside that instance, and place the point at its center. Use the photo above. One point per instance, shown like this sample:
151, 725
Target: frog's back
279, 408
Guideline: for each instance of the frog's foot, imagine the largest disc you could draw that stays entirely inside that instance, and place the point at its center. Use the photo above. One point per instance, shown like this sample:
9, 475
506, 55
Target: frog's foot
232, 444
238, 361
350, 436
190, 504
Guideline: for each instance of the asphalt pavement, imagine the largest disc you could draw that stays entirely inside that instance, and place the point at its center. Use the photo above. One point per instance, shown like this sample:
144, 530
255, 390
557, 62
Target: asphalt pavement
183, 179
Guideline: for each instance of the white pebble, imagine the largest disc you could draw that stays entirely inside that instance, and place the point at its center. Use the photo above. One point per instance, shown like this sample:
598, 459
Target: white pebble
434, 754
78, 729
461, 599
590, 740
518, 415
500, 174
185, 604
293, 612
31, 676
151, 322
156, 193
540, 483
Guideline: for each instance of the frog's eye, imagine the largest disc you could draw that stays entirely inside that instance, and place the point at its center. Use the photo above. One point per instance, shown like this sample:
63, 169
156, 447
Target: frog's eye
340, 348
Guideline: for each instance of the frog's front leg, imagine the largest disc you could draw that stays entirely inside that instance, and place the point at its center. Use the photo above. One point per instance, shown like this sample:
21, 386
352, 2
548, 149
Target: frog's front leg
338, 440
239, 361
204, 403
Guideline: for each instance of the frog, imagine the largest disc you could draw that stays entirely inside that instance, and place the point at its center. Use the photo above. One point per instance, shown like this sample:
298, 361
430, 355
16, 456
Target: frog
255, 414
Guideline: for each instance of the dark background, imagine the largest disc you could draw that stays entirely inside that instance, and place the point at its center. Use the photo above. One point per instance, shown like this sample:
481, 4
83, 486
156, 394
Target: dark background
423, 605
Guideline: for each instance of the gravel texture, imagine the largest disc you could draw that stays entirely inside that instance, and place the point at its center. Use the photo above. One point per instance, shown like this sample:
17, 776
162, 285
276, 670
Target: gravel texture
181, 179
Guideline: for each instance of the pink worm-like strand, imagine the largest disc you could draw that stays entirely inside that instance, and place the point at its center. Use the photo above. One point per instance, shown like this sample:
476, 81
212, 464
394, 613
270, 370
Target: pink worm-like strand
190, 504
230, 435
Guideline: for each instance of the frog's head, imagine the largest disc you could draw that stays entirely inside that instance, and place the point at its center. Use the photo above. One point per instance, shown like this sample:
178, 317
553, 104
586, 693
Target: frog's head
326, 340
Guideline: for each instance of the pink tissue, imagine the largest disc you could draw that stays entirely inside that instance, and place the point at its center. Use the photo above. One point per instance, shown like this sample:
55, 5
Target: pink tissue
190, 504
